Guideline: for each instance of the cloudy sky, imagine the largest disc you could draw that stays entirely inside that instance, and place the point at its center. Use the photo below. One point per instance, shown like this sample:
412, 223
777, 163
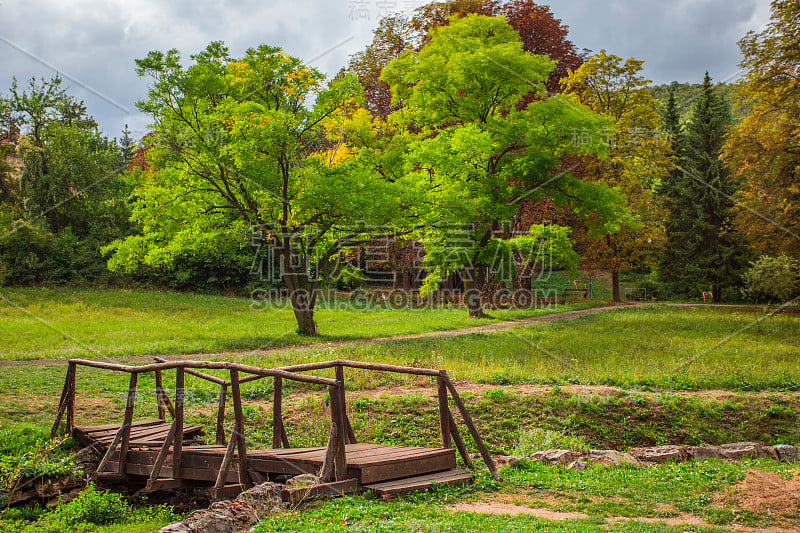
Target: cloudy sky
93, 43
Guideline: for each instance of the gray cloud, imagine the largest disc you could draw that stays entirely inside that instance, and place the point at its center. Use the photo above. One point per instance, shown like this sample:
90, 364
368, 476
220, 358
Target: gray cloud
97, 41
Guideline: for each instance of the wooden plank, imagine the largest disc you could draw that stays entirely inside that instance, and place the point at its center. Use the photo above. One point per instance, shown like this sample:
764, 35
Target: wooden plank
190, 474
444, 413
163, 484
227, 492
412, 467
106, 458
393, 488
241, 445
277, 414
127, 422
425, 478
324, 490
115, 427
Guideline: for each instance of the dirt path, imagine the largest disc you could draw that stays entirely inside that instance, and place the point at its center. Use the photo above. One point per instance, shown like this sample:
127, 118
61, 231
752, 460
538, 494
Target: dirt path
499, 326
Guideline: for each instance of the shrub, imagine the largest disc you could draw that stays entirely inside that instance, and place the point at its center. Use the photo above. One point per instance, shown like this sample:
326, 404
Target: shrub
92, 506
538, 439
773, 277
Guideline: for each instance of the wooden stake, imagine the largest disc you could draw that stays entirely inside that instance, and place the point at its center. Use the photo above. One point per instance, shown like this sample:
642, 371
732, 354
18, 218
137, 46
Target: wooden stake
444, 413
471, 426
107, 457
220, 433
126, 424
330, 452
62, 406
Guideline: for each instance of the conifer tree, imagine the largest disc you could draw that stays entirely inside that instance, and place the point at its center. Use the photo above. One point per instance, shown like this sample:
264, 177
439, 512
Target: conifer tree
703, 252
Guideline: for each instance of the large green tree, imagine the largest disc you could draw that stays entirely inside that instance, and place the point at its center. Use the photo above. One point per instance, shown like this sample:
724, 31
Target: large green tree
704, 250
638, 159
471, 152
238, 146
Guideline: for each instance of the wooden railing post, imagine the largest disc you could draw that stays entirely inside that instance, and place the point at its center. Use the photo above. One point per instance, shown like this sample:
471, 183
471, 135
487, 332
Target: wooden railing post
71, 371
177, 445
471, 427
241, 445
220, 433
277, 412
348, 434
63, 402
444, 412
337, 419
127, 423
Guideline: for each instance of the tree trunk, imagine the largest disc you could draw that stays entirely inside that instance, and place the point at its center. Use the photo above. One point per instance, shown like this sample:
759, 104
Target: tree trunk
615, 285
472, 294
717, 293
303, 300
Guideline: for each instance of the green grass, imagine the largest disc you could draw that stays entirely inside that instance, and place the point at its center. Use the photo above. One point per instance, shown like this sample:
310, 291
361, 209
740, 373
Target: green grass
623, 493
63, 323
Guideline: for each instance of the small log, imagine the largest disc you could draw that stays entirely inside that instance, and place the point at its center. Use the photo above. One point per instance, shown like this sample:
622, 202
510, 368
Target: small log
444, 413
241, 445
107, 457
162, 454
197, 374
177, 443
226, 459
471, 426
284, 438
323, 490
330, 453
277, 415
220, 433
462, 450
127, 423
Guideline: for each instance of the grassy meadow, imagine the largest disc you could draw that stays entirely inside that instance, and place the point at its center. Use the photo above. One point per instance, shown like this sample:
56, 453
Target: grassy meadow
64, 323
633, 376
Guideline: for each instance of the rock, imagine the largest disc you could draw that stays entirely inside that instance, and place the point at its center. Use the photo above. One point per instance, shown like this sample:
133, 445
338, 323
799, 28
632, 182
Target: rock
65, 498
786, 453
302, 481
578, 465
610, 457
222, 517
770, 451
661, 454
706, 452
175, 527
737, 450
49, 488
551, 457
514, 462
266, 498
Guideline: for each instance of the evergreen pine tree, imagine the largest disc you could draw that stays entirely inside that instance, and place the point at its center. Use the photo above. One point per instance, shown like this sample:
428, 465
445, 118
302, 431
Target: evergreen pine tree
703, 252
127, 146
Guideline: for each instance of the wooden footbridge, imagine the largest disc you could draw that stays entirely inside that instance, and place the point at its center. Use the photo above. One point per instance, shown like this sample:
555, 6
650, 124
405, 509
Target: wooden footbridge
160, 455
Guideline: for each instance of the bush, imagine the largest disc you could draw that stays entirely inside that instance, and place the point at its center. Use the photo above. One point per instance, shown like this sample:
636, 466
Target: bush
534, 440
28, 452
773, 278
92, 506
